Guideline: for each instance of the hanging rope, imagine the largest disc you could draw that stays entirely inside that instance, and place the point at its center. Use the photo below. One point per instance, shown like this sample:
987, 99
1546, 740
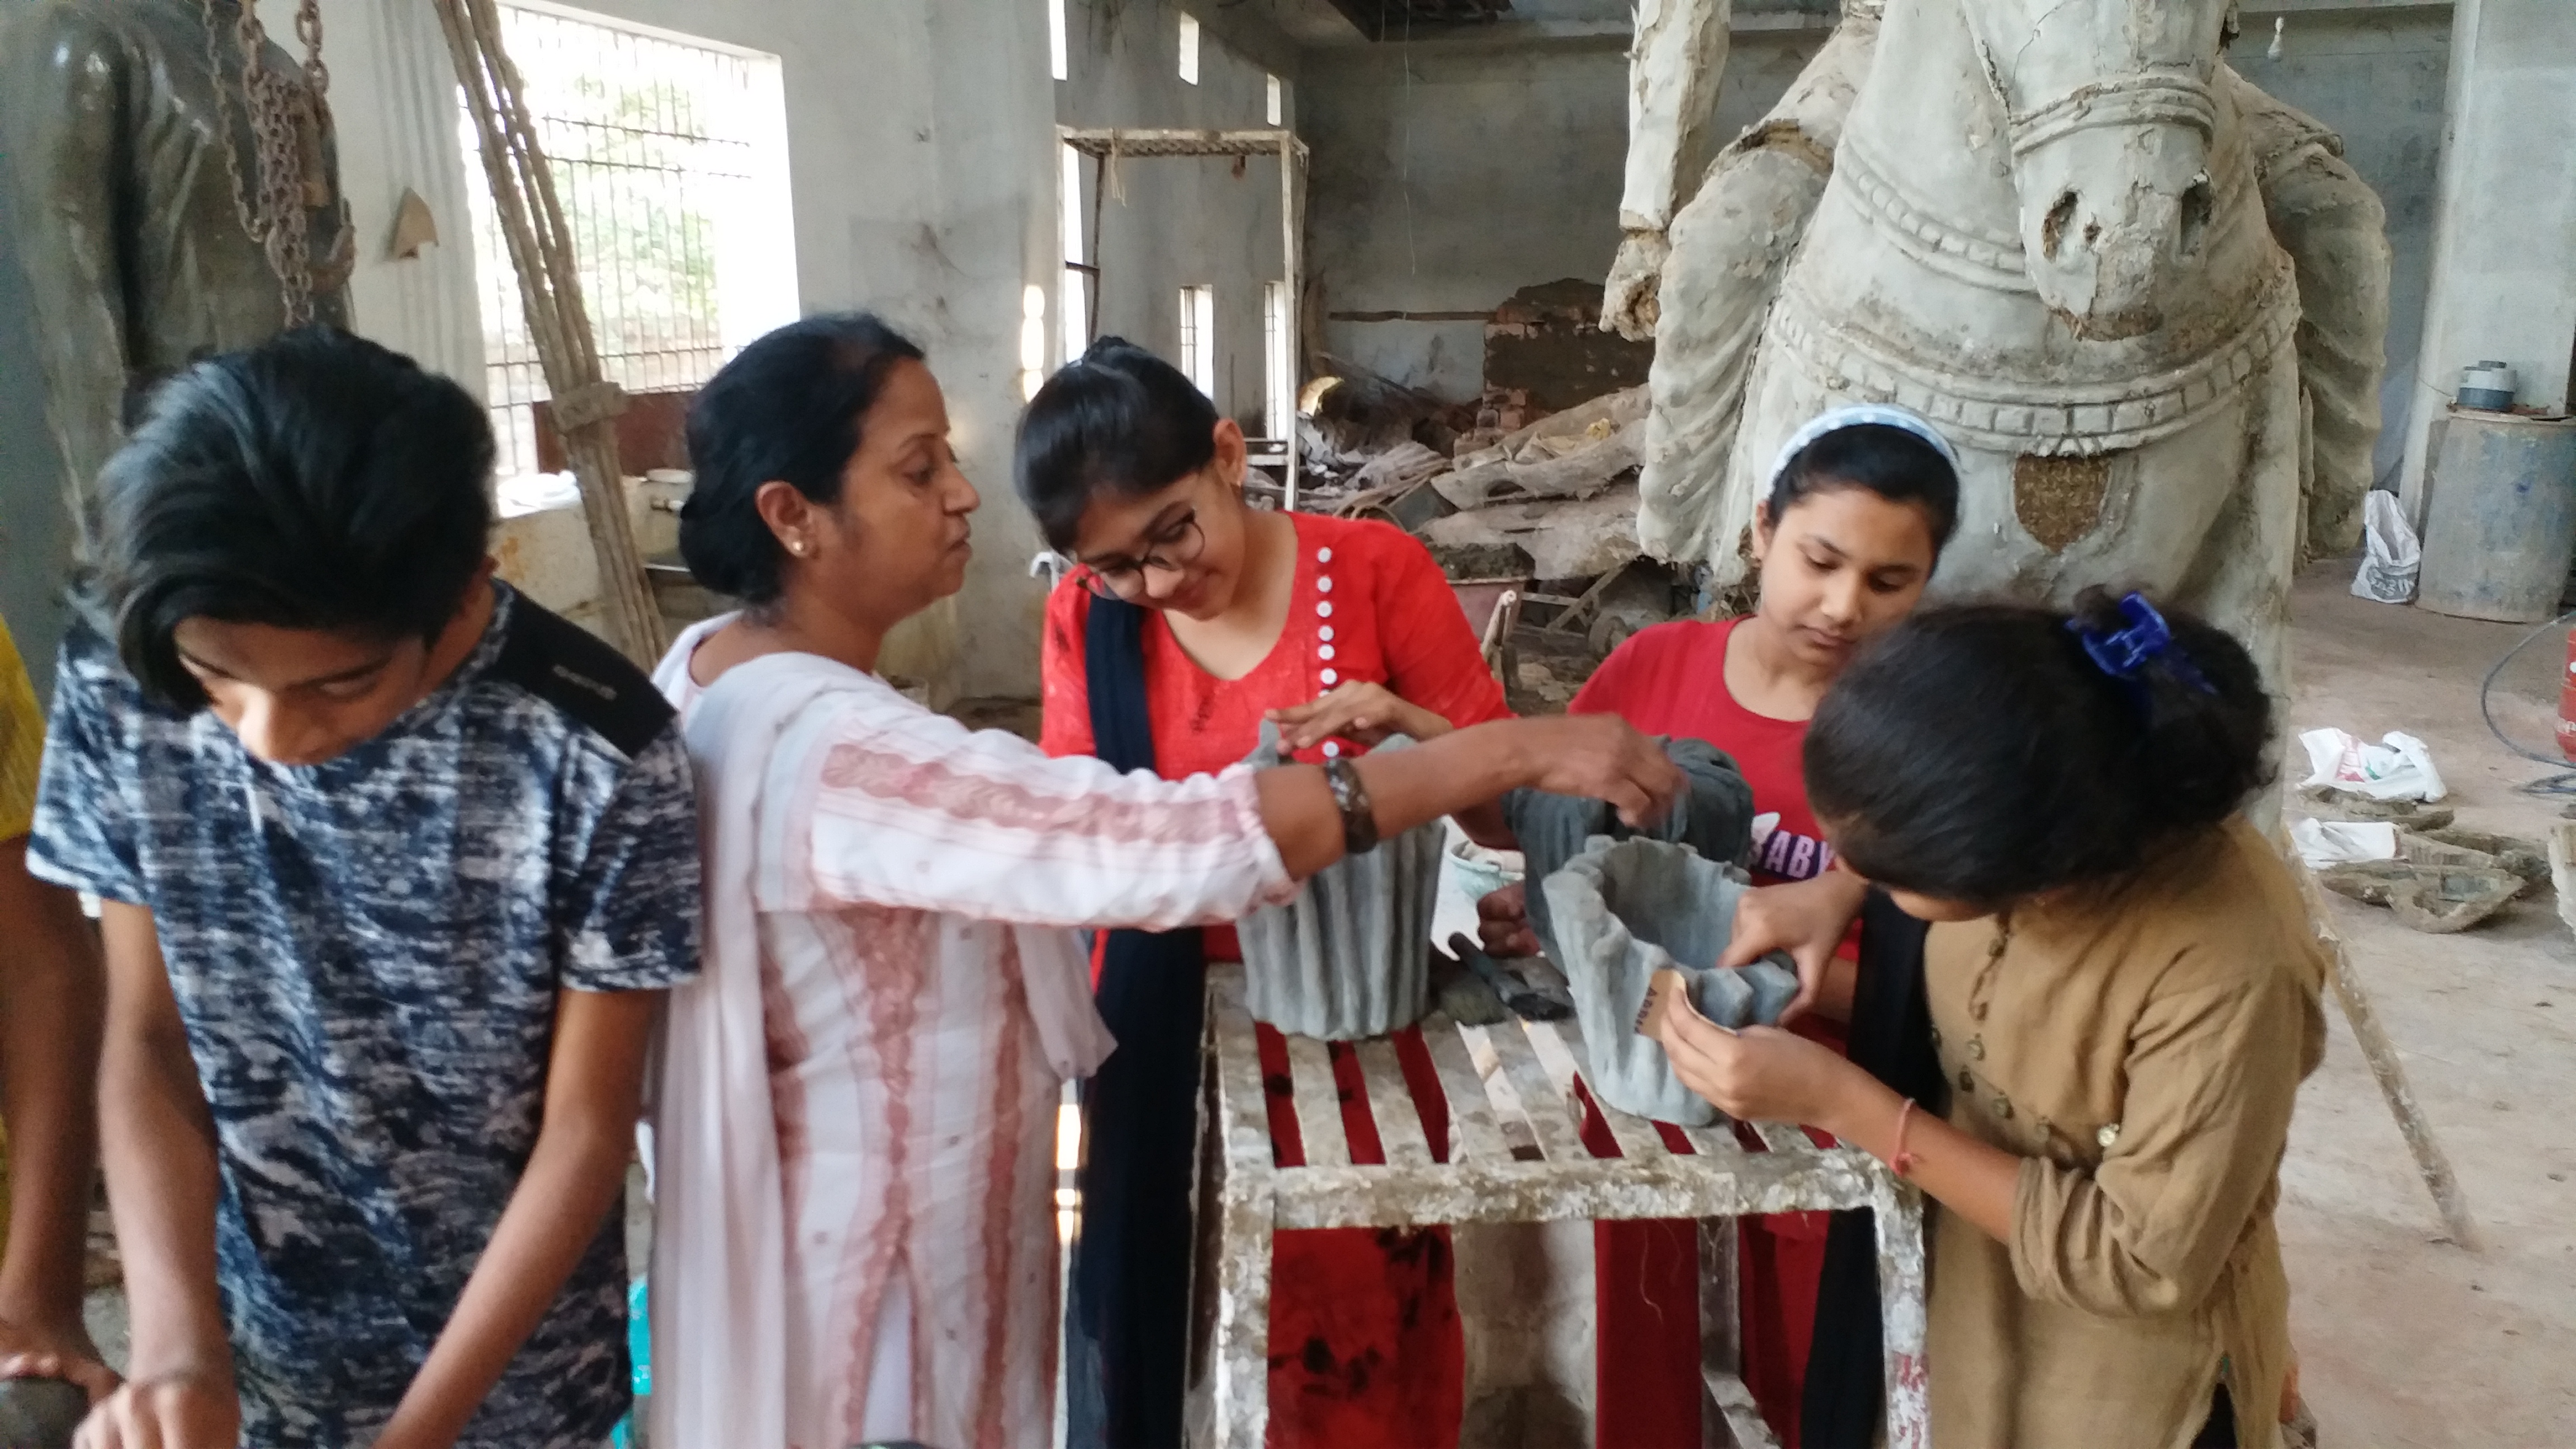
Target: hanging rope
586, 406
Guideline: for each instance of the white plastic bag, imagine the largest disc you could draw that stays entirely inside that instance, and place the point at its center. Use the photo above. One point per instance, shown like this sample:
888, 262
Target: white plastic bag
2399, 767
2335, 842
2395, 555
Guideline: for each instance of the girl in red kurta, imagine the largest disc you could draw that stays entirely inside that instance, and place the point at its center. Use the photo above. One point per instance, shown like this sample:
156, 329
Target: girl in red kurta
1341, 632
1861, 502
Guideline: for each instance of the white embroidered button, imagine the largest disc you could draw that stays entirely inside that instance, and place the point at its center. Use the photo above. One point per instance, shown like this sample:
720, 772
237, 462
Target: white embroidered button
1323, 555
1324, 633
1332, 749
2107, 1136
1324, 585
1324, 609
1324, 653
1331, 677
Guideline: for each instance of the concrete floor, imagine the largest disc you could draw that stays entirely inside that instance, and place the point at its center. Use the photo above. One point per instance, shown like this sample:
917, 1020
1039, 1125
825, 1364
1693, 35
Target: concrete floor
2406, 1338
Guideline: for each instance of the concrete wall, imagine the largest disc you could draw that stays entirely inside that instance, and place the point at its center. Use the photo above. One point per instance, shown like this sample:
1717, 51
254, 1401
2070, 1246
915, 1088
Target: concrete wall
1450, 174
2503, 257
393, 102
1182, 221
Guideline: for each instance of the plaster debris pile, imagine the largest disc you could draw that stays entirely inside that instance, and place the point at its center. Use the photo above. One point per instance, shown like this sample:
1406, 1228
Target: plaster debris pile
2375, 834
1546, 505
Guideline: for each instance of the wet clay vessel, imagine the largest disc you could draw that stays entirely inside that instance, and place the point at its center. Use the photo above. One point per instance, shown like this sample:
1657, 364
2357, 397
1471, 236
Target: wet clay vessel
1623, 910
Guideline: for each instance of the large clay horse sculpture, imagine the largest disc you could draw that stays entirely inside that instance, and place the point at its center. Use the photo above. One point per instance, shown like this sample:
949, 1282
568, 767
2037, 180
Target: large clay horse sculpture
2043, 232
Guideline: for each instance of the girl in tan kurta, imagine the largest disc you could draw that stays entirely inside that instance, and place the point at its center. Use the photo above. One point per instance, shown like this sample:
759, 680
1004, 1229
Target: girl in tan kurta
2124, 993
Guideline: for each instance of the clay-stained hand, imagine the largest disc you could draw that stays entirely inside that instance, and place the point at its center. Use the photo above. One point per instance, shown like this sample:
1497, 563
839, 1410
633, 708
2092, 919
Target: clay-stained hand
1600, 756
175, 1411
1809, 919
1503, 923
55, 1351
1759, 1074
1360, 710
1629, 304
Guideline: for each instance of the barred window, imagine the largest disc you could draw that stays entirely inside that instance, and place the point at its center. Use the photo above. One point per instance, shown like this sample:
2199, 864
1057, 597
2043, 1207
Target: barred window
669, 156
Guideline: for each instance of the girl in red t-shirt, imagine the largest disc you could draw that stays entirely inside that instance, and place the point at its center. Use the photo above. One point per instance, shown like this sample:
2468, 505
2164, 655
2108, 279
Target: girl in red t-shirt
1861, 502
1190, 620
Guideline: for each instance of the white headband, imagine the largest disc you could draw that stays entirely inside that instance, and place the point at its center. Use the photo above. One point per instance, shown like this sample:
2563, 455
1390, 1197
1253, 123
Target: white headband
1856, 416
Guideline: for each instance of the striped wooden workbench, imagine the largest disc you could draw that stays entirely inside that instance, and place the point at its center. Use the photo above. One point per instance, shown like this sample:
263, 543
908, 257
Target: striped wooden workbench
1513, 1152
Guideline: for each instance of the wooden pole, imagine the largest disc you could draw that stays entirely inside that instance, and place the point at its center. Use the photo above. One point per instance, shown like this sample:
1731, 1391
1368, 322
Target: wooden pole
541, 252
2430, 1161
1291, 324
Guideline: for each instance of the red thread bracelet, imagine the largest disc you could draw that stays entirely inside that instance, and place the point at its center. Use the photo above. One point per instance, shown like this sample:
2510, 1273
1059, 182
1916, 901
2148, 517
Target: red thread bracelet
1901, 1160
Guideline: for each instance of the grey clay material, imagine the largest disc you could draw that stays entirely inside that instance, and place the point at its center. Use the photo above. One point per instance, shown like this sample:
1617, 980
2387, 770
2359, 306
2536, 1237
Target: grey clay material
1714, 817
1623, 910
1350, 957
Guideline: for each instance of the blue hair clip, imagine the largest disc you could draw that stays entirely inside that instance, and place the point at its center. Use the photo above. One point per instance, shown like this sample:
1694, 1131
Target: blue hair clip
2125, 653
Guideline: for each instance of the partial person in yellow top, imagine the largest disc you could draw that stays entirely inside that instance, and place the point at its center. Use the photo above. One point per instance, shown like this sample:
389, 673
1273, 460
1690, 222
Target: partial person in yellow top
2124, 993
52, 1000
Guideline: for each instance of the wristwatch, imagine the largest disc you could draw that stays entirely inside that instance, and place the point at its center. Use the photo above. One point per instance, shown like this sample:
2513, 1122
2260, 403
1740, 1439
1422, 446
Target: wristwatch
1359, 818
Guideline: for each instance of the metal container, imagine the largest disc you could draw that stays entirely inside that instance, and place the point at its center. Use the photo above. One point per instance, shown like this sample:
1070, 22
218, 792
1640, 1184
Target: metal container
2499, 516
1350, 957
2487, 387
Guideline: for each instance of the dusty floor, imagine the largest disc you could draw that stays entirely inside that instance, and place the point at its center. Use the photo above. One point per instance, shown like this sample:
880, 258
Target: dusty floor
2408, 1339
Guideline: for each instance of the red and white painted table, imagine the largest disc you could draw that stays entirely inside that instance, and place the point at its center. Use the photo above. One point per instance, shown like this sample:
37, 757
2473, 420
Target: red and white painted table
1512, 1152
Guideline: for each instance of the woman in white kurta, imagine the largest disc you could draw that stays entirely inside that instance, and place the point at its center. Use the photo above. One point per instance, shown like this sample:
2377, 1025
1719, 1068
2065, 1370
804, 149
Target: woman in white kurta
855, 1104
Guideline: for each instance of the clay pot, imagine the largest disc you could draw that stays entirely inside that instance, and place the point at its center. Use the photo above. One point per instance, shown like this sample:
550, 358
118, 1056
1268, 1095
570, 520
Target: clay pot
1624, 910
1351, 956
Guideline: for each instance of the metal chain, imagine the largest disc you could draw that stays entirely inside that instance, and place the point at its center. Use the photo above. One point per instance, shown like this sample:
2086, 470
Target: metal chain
274, 213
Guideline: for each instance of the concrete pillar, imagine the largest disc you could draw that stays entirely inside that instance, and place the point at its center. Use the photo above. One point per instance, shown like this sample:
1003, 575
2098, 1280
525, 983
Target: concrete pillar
2504, 231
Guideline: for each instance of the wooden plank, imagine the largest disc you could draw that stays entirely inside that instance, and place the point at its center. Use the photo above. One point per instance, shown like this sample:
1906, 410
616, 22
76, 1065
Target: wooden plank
1742, 1416
1242, 1369
1781, 1137
1721, 1322
1542, 1104
1244, 1119
1898, 1217
1240, 1376
1715, 1145
1473, 1135
1319, 1103
1635, 1136
1399, 1122
1532, 1190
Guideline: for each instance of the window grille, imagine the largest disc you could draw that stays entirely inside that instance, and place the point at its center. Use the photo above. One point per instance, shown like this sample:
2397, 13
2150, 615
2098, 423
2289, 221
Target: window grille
670, 160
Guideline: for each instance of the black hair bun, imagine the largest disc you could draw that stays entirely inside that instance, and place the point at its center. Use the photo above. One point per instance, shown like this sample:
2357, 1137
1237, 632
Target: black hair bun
1979, 753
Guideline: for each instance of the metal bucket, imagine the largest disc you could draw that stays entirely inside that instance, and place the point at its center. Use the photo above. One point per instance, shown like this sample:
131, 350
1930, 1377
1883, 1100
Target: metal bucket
2499, 516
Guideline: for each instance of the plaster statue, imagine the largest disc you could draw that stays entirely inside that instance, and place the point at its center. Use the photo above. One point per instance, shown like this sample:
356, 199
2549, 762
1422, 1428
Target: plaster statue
2067, 233
141, 167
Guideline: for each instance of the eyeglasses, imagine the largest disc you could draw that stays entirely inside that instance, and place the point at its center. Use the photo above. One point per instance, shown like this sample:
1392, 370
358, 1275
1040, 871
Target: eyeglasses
1169, 551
